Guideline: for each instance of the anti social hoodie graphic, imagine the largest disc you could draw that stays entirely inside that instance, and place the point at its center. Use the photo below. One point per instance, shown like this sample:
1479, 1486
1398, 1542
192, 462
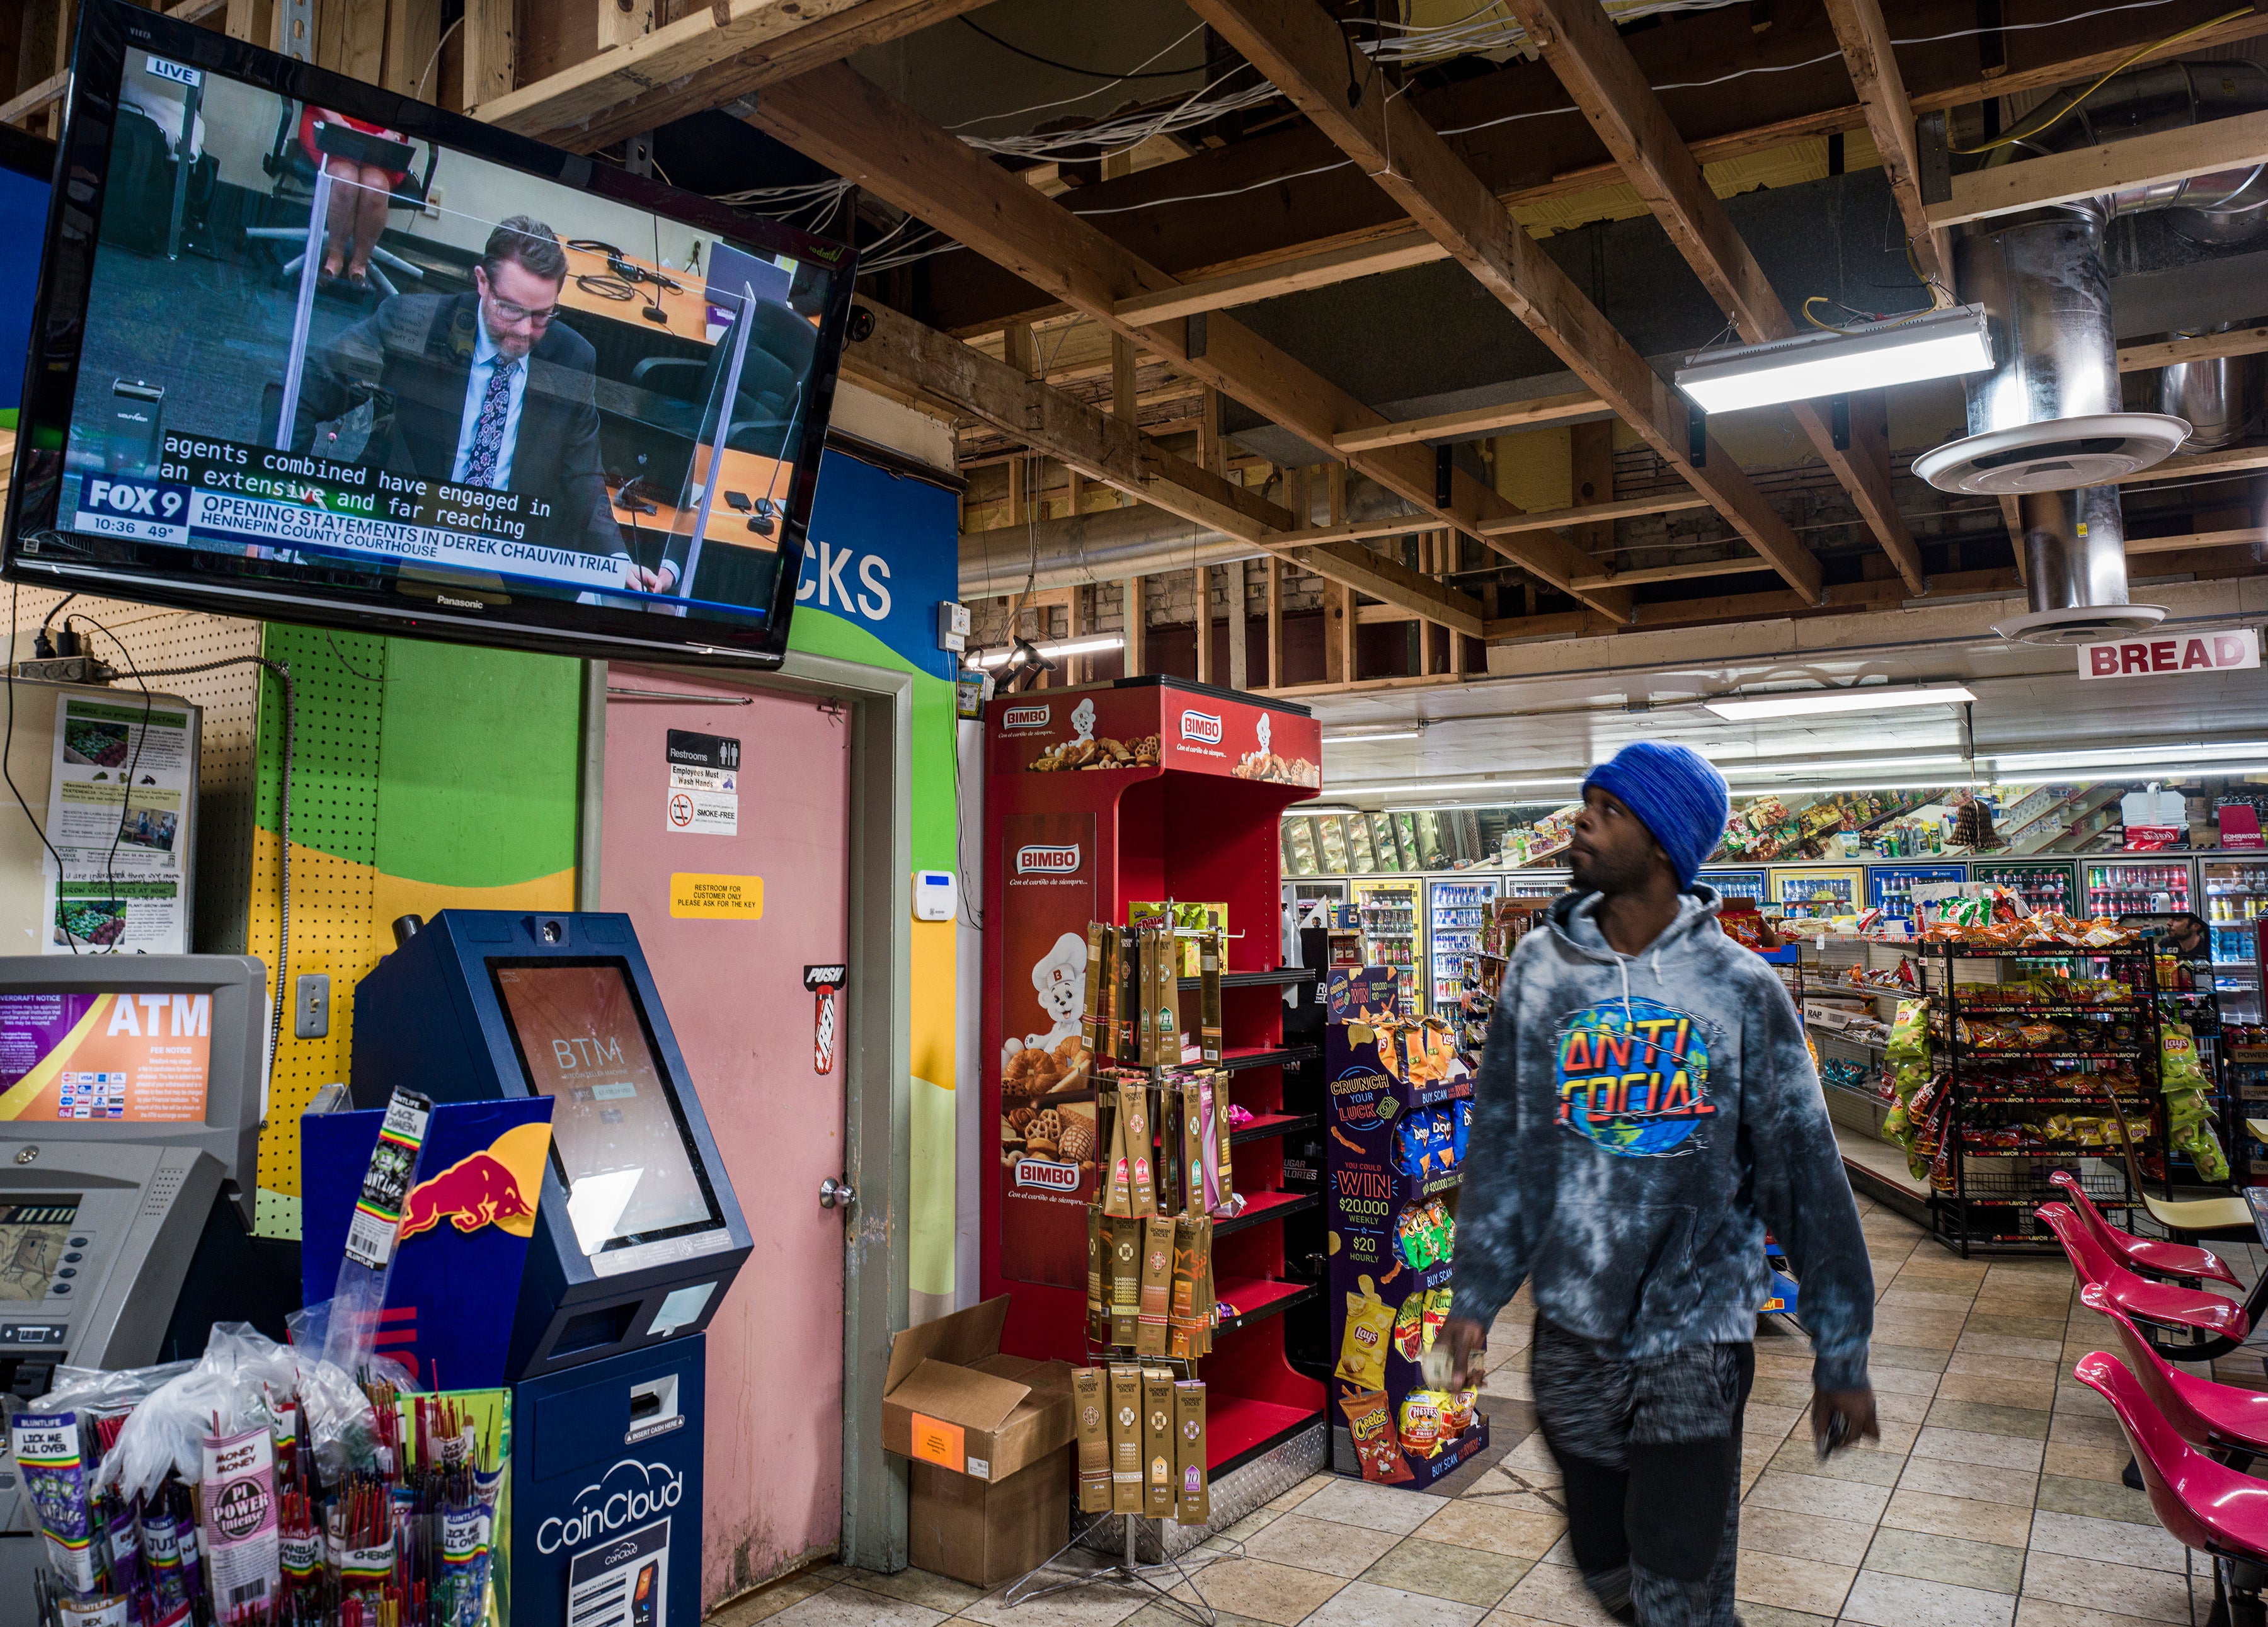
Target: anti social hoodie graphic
1639, 1122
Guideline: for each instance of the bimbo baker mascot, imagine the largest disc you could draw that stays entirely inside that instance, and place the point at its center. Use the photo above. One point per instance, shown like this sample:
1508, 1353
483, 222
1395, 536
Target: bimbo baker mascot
1645, 1110
1039, 1063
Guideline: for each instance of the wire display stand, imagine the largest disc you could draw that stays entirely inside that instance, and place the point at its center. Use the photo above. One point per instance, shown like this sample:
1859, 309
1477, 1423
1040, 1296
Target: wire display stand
1127, 1572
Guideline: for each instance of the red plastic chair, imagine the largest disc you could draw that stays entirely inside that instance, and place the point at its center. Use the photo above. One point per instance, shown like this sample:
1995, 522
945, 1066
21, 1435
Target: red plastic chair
2206, 1506
2210, 1416
2143, 1254
2218, 1325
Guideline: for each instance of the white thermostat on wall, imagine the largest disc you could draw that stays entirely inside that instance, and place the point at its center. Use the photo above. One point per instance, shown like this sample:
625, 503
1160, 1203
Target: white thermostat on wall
937, 896
952, 626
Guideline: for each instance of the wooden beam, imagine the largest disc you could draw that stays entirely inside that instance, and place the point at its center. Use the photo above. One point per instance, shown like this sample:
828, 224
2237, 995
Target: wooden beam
1686, 572
1602, 513
710, 57
1122, 378
2198, 465
843, 119
1580, 46
2248, 536
1396, 253
2196, 347
1239, 630
1203, 618
489, 47
2091, 172
1134, 601
1275, 622
1302, 51
2012, 516
1873, 62
1527, 415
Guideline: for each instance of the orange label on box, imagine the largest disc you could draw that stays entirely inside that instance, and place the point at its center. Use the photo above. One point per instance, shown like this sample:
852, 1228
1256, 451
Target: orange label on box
938, 1442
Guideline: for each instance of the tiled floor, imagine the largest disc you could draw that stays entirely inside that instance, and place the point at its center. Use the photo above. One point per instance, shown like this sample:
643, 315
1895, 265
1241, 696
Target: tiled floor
1992, 1500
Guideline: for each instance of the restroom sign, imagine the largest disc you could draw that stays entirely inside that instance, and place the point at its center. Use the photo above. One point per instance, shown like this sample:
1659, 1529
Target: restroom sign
2208, 652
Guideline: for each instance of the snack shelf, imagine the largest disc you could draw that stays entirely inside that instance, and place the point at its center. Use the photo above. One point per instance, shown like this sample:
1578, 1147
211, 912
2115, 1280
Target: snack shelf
1977, 1054
1240, 1428
1256, 1299
2069, 1009
1234, 1060
1267, 1206
2134, 1103
1276, 978
1845, 1034
1268, 1125
2051, 1149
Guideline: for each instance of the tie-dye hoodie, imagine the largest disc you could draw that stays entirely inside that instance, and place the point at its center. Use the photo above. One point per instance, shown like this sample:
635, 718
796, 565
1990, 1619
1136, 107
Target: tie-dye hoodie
1638, 1121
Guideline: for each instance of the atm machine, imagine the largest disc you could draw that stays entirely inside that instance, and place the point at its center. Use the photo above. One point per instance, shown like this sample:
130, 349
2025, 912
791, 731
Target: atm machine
638, 1238
131, 1092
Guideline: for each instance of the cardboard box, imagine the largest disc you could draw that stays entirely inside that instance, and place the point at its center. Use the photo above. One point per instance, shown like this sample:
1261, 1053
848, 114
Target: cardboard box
987, 1532
1126, 1496
952, 1400
1158, 1442
1090, 1401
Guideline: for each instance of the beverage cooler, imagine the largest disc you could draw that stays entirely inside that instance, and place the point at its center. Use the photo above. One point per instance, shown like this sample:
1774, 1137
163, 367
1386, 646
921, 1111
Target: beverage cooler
2043, 887
1737, 884
2144, 885
1535, 883
2236, 899
1889, 887
1816, 891
1305, 895
1391, 913
1455, 911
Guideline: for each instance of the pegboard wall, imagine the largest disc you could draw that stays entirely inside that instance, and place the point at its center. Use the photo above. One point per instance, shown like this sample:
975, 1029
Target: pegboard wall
339, 684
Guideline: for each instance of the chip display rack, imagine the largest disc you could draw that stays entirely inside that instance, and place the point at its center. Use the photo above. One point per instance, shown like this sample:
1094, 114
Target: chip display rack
2009, 1104
1098, 798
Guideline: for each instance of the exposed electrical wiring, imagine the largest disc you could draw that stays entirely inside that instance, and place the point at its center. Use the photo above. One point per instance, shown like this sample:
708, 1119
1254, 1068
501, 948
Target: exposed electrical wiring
2062, 113
1089, 73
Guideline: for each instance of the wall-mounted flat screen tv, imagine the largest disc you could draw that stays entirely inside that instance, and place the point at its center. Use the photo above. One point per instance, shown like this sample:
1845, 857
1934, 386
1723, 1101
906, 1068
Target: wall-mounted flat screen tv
309, 349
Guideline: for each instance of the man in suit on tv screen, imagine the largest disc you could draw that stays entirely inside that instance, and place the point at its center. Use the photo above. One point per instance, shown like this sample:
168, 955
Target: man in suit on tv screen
490, 390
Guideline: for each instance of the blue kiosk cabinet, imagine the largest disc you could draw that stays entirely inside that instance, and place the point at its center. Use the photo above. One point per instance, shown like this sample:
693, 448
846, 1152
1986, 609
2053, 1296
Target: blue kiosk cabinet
638, 1238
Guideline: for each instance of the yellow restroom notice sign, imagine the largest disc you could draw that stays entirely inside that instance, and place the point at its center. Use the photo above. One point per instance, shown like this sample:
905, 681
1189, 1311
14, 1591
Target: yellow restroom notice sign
716, 898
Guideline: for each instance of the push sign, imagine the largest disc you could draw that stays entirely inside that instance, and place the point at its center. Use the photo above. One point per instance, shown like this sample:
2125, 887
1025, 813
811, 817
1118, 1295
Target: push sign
823, 981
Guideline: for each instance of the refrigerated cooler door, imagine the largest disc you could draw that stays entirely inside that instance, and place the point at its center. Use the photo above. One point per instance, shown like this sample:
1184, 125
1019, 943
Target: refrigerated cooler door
1737, 883
1812, 891
1535, 883
2137, 886
2044, 888
1455, 911
1889, 887
2234, 903
1392, 932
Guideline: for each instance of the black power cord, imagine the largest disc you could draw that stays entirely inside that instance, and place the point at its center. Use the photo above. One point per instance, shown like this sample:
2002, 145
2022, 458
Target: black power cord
1085, 73
7, 744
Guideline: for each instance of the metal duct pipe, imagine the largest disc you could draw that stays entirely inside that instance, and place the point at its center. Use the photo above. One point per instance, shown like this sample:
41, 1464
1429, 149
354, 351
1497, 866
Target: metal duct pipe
2223, 207
2218, 396
2075, 571
1141, 540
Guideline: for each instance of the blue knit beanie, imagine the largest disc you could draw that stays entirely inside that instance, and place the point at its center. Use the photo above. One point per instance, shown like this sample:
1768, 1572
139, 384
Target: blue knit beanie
1676, 793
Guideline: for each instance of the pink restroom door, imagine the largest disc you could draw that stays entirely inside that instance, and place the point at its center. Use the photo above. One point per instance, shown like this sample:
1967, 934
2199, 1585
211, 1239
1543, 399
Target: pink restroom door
733, 988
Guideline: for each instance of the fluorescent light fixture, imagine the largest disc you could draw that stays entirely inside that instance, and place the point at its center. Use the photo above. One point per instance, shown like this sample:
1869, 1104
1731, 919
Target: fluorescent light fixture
1435, 787
1363, 740
2142, 768
1069, 646
2119, 756
1783, 769
1807, 702
1902, 350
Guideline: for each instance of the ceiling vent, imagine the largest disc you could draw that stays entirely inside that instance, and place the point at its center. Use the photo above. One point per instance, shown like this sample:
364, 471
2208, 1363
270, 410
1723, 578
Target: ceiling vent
2075, 572
2049, 416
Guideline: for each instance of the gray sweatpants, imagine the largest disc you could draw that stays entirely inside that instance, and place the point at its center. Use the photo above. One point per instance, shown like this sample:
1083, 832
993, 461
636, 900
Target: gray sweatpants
1651, 1454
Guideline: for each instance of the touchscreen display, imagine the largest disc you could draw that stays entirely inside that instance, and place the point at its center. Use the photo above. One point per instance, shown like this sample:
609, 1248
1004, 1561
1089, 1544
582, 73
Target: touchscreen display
33, 1237
623, 1153
121, 1056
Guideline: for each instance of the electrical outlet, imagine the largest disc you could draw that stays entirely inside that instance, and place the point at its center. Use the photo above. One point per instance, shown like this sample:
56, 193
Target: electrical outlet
311, 1005
432, 210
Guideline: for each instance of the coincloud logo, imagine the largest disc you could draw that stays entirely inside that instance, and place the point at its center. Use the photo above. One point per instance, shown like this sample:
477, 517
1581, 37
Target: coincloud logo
628, 1494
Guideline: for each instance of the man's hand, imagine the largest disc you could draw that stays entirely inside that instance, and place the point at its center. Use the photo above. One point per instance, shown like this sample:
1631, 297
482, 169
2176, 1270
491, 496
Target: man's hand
1854, 1408
1464, 1339
652, 581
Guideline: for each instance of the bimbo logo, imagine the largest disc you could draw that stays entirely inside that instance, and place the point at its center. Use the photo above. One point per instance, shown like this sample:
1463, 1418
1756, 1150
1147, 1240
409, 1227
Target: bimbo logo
1039, 1175
625, 1495
1047, 861
1026, 717
1201, 726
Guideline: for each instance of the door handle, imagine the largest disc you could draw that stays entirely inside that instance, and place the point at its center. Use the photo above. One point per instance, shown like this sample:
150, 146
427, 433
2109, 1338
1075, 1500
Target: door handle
835, 1194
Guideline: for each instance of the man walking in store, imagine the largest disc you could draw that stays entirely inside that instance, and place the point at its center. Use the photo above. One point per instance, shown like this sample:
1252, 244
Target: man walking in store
1645, 1110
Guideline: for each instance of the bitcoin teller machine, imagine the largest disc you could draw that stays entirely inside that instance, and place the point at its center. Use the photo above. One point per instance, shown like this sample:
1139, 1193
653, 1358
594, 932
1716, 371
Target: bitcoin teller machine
132, 1089
638, 1238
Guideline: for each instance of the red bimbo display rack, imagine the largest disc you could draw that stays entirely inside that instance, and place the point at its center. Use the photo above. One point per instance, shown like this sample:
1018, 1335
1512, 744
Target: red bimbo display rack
1102, 804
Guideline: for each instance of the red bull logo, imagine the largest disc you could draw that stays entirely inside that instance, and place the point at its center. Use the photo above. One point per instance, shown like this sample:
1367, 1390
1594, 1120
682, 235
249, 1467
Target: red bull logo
479, 1189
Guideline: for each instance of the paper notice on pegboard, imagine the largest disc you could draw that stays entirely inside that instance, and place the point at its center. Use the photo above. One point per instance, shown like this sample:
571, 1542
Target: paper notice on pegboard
704, 802
119, 795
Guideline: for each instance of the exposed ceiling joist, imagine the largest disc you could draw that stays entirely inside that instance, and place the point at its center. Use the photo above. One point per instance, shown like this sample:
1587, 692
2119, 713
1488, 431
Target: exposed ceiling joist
2198, 348
1397, 252
2091, 172
1874, 64
2199, 466
1527, 415
904, 357
2248, 536
714, 55
1579, 44
1690, 571
1597, 513
1275, 200
844, 122
1303, 52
